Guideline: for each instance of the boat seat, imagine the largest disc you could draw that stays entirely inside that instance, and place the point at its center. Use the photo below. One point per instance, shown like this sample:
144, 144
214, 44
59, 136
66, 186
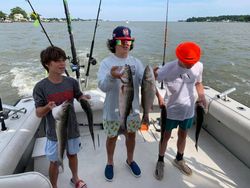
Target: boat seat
27, 180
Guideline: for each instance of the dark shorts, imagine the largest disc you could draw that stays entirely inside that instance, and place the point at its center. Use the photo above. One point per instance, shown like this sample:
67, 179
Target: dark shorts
172, 124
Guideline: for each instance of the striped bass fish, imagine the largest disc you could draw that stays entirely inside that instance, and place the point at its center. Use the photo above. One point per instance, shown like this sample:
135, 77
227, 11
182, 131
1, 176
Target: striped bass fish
199, 121
126, 96
61, 116
87, 109
163, 121
148, 91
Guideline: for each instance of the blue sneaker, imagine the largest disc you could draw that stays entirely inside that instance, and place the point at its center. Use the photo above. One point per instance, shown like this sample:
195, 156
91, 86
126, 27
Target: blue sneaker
135, 169
109, 172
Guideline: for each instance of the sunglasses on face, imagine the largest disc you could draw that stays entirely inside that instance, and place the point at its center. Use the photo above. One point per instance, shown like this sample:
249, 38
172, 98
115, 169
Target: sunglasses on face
124, 42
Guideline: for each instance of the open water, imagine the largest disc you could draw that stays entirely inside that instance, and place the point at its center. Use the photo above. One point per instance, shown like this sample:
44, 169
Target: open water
225, 47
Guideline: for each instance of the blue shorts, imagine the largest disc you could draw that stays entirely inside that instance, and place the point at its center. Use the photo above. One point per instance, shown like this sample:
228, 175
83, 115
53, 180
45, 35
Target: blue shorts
172, 124
51, 149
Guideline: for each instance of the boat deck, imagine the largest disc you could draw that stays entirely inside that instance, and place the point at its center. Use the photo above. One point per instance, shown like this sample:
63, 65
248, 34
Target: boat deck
213, 165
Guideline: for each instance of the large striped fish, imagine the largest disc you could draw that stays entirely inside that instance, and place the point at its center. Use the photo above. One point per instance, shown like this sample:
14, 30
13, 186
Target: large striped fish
61, 116
199, 121
163, 121
126, 96
148, 91
87, 109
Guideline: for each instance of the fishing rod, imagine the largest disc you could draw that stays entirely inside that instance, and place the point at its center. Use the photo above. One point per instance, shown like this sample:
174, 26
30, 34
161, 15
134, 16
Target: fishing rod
165, 40
92, 60
75, 61
40, 23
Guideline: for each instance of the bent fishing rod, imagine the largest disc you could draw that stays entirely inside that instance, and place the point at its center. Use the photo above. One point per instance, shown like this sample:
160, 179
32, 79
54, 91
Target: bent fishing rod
165, 40
92, 60
40, 23
75, 61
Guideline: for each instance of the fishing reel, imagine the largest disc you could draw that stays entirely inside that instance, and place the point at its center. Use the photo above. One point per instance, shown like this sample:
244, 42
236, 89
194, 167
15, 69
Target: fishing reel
91, 59
74, 64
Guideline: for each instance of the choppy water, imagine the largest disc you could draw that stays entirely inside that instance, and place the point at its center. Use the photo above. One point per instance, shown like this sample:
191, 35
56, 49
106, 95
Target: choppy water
226, 48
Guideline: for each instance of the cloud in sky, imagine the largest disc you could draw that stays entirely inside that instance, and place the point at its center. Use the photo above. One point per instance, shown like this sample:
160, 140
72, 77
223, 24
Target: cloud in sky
146, 10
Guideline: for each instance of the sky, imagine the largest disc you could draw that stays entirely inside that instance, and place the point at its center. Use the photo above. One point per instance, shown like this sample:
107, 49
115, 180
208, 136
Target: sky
132, 10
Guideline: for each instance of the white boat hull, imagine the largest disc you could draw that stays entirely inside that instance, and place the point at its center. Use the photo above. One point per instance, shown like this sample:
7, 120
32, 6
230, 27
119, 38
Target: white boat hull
225, 121
229, 122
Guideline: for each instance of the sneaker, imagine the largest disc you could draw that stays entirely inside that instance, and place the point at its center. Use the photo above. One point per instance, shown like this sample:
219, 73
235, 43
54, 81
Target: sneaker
109, 172
134, 168
159, 170
183, 167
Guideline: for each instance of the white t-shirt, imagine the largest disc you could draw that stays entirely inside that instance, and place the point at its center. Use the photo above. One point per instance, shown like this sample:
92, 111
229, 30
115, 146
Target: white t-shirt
111, 86
180, 88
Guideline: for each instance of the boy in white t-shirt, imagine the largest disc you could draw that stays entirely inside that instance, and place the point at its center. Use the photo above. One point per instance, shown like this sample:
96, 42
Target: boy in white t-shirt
181, 77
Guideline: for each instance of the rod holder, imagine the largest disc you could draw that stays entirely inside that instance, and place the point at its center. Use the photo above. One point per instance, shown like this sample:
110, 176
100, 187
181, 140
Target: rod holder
224, 94
2, 117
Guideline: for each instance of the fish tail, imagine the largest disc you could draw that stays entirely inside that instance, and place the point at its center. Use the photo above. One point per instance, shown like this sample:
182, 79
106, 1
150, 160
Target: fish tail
93, 139
60, 164
121, 131
145, 119
123, 127
196, 146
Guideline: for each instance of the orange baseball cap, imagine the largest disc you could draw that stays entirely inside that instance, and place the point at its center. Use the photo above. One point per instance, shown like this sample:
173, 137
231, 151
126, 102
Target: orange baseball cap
188, 53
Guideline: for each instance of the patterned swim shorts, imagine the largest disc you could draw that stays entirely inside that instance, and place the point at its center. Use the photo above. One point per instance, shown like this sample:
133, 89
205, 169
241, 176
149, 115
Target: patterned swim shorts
111, 127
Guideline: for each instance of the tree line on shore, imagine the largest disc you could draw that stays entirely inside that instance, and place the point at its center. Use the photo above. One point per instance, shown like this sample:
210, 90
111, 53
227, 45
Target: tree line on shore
31, 16
224, 18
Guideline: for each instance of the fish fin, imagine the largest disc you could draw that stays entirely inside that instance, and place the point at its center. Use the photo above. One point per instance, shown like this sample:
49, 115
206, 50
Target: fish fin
123, 81
122, 89
121, 131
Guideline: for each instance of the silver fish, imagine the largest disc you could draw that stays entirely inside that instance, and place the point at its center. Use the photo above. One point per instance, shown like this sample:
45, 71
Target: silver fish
61, 115
148, 91
87, 109
199, 121
163, 121
126, 96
